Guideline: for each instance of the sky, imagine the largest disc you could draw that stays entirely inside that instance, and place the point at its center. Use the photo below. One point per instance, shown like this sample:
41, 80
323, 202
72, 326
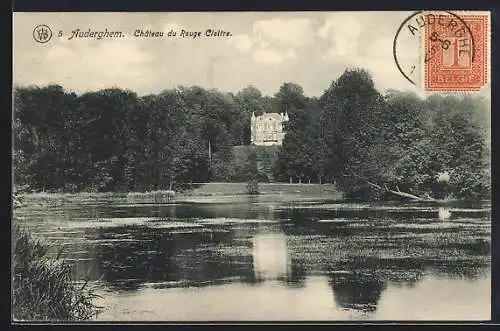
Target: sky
265, 50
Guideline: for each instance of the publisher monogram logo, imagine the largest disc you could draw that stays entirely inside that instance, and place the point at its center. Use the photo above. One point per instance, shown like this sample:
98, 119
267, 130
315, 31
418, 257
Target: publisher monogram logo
42, 33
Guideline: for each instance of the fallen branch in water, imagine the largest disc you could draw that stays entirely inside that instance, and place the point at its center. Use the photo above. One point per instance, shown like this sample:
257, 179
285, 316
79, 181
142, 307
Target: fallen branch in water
397, 192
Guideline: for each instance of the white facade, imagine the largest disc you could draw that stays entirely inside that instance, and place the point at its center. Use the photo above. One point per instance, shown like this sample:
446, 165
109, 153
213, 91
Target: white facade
267, 129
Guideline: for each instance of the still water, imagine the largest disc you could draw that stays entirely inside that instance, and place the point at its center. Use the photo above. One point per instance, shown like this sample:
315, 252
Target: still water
274, 258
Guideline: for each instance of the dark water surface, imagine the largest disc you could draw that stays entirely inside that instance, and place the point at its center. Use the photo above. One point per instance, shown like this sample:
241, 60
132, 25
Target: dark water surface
274, 258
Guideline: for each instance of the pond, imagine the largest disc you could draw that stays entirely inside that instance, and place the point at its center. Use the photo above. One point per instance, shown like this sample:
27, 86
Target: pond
273, 258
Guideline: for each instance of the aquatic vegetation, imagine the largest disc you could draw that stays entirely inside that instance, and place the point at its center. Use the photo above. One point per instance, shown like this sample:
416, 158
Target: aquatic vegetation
191, 256
159, 196
43, 286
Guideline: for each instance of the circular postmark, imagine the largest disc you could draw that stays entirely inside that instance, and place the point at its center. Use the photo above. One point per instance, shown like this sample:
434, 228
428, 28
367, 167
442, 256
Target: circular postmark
42, 33
425, 35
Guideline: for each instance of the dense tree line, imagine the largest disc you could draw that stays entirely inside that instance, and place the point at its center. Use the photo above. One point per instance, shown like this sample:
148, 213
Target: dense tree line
372, 145
115, 140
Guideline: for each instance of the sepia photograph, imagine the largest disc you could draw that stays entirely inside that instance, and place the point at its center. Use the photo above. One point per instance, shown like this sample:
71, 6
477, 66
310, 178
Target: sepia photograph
179, 167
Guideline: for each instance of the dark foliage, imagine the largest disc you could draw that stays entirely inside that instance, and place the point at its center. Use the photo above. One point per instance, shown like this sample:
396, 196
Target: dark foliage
114, 140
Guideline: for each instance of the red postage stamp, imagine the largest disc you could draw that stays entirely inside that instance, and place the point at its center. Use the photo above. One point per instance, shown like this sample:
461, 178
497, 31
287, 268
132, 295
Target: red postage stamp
456, 52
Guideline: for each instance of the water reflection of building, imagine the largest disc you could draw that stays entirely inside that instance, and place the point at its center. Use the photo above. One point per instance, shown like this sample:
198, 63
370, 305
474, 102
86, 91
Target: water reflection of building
270, 256
272, 260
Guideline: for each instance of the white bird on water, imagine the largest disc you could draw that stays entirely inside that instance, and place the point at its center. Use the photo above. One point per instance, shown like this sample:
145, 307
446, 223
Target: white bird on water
443, 176
443, 213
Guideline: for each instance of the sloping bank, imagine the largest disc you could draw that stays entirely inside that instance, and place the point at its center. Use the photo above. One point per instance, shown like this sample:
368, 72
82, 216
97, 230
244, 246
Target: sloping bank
43, 288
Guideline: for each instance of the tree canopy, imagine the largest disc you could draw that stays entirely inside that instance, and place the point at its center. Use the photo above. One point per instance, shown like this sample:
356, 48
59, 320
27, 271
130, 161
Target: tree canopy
369, 143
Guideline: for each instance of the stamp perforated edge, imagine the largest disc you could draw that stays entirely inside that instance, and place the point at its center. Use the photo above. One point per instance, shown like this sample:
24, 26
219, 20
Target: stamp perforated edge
486, 53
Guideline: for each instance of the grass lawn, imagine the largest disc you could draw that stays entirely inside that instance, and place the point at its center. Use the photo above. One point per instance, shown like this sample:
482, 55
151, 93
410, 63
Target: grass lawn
207, 189
265, 188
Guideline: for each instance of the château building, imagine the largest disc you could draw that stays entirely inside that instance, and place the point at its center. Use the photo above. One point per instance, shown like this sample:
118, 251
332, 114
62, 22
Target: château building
267, 129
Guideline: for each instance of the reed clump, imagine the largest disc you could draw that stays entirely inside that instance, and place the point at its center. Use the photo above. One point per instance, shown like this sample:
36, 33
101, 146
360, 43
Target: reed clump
43, 286
159, 196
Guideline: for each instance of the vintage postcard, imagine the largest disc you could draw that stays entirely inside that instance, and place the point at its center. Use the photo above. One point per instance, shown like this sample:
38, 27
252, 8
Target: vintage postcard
251, 166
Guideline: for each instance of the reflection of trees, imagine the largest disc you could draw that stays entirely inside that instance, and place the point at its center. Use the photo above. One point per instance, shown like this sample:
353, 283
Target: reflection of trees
357, 290
460, 269
123, 285
295, 247
304, 216
296, 277
194, 257
401, 252
239, 210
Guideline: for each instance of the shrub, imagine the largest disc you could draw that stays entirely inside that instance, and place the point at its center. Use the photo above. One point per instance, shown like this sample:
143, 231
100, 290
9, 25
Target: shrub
253, 187
43, 286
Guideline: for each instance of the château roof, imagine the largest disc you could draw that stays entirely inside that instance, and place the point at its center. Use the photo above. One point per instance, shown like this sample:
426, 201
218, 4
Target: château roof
275, 116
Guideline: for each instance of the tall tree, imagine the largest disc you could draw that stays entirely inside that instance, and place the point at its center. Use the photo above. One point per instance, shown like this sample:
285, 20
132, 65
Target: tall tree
353, 130
43, 126
248, 100
298, 155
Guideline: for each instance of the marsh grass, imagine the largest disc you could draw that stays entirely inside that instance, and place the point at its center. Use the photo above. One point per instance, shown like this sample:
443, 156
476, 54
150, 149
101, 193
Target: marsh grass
43, 286
159, 196
41, 196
